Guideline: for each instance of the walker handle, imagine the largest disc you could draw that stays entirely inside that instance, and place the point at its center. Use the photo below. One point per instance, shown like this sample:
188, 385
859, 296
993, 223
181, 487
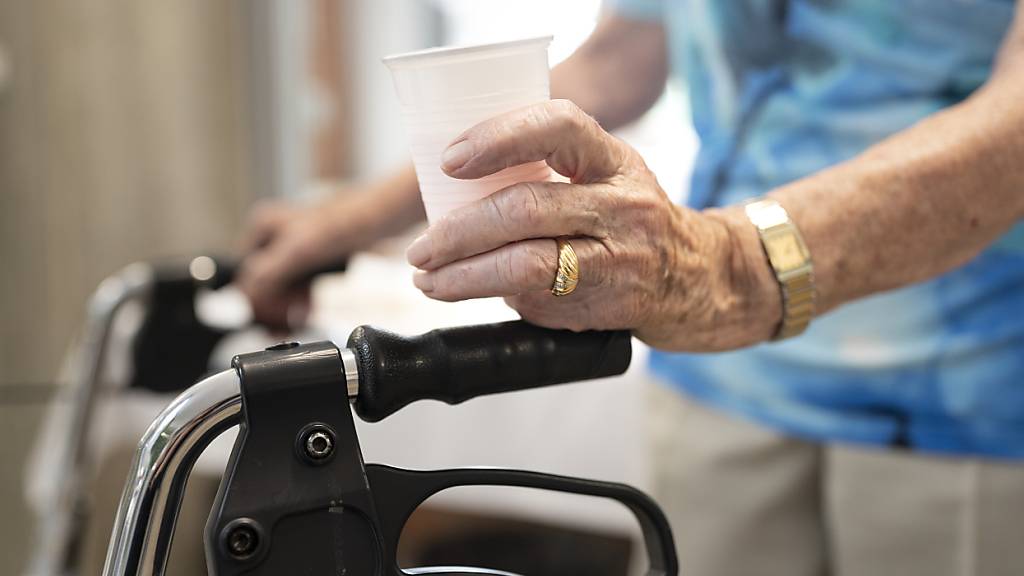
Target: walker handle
455, 364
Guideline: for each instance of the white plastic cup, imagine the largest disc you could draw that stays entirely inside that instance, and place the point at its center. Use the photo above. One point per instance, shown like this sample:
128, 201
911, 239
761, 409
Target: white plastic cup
444, 91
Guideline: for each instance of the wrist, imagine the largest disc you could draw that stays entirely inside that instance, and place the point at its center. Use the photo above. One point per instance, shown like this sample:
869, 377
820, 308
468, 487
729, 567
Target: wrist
718, 291
756, 296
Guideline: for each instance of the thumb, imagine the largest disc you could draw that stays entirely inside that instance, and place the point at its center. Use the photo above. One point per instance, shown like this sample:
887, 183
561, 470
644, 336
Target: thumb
556, 131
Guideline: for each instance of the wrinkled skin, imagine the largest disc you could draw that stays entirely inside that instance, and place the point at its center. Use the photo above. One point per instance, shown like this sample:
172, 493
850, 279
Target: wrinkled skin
680, 279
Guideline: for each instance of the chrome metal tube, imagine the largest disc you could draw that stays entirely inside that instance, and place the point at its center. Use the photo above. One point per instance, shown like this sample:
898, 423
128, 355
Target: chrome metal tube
58, 522
348, 359
144, 525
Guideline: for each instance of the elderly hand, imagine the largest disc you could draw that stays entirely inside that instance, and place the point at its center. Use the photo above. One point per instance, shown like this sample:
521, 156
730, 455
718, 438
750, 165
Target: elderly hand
680, 279
281, 242
284, 243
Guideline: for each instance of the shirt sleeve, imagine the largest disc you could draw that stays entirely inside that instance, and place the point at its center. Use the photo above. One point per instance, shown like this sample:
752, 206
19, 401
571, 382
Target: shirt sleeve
637, 9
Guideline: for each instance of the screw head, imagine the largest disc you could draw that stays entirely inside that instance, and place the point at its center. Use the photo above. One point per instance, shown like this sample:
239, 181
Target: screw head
319, 444
316, 443
241, 539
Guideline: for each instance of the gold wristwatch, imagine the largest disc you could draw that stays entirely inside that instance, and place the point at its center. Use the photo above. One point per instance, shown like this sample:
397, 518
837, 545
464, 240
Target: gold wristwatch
791, 262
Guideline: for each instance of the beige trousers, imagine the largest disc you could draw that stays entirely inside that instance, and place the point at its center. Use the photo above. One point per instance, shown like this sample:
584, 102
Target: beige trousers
745, 501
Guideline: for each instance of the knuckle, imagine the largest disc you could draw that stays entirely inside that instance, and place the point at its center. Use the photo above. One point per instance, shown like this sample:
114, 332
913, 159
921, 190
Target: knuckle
565, 110
592, 221
502, 208
538, 118
504, 268
572, 117
595, 262
568, 118
524, 205
537, 264
444, 286
522, 267
445, 237
441, 236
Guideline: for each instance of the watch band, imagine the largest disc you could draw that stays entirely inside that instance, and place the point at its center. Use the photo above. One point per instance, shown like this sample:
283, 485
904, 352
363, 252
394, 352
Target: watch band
790, 261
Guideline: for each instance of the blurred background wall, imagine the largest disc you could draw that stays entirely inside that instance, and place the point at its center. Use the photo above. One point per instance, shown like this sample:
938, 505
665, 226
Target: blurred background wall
122, 137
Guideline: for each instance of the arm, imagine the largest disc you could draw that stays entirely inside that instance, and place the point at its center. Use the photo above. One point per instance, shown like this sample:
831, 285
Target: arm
918, 204
618, 73
908, 209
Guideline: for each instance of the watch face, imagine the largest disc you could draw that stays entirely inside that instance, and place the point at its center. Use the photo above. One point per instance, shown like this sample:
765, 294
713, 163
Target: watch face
785, 253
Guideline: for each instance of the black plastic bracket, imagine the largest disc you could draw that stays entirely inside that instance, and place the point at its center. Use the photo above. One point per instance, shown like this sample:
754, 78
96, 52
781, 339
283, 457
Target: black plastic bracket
172, 348
295, 497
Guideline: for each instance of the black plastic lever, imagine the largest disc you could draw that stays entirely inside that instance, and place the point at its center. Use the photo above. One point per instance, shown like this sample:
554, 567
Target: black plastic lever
455, 364
399, 492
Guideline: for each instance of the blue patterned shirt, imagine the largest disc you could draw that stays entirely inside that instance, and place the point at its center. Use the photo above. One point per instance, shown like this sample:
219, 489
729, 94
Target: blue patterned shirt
780, 89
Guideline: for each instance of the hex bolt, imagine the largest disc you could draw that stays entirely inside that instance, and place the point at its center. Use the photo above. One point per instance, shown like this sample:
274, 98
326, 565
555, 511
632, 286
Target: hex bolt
319, 444
316, 443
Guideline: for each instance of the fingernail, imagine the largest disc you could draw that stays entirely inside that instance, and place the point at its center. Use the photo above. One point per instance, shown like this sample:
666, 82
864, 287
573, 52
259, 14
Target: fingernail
456, 155
423, 280
419, 251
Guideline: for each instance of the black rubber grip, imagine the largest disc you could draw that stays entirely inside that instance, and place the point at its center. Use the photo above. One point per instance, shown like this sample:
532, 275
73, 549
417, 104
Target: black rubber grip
455, 364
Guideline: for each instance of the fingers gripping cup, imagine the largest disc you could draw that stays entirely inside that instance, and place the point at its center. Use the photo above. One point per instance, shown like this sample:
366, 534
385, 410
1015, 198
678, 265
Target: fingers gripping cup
444, 91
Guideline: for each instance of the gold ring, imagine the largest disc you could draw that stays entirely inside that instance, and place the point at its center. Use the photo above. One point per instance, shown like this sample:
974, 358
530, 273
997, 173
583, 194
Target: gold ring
568, 274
